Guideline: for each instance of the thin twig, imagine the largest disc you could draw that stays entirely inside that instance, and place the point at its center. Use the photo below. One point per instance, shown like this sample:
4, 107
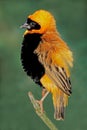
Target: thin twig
43, 116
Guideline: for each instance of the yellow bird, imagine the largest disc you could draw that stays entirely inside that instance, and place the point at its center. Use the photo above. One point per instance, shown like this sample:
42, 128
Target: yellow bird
46, 59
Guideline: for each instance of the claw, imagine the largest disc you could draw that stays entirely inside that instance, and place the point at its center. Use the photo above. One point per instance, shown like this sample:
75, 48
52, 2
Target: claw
40, 102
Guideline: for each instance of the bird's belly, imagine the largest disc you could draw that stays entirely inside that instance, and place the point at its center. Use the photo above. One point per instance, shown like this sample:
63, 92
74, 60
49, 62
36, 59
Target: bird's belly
48, 83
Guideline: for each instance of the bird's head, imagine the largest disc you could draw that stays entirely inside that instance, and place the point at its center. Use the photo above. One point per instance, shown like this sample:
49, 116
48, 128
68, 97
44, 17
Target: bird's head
39, 22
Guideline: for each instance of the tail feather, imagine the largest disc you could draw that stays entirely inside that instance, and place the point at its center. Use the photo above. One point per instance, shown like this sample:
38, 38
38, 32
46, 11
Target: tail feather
59, 113
59, 101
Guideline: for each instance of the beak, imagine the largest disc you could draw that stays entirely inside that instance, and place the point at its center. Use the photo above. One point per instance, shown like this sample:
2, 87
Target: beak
25, 25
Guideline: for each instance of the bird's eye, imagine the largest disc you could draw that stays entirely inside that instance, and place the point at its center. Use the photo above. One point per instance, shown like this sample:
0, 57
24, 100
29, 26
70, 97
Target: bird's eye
33, 24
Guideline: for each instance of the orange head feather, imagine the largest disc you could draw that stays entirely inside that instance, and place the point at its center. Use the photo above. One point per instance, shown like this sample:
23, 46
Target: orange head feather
44, 19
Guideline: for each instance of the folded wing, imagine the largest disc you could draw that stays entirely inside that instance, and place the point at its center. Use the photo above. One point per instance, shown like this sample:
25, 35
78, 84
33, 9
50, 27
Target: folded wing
56, 60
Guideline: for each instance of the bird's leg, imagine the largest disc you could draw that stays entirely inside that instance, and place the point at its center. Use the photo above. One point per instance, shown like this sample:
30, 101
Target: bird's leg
40, 102
44, 94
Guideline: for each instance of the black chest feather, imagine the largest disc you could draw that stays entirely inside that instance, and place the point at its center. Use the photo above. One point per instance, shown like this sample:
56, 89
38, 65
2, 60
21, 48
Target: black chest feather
30, 62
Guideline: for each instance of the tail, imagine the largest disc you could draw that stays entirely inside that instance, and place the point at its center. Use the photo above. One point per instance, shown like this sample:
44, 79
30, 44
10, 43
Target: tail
60, 100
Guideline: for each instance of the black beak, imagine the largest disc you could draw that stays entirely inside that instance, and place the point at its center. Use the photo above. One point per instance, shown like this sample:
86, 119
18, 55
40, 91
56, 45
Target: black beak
25, 25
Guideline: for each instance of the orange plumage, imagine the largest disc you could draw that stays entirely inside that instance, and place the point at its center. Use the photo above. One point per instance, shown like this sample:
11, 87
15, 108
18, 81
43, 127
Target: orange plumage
46, 58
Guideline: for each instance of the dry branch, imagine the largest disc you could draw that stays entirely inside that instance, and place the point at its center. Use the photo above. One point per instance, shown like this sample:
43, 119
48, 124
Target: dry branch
43, 116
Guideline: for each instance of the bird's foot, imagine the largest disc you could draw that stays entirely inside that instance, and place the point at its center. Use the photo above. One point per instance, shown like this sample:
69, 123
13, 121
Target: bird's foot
40, 102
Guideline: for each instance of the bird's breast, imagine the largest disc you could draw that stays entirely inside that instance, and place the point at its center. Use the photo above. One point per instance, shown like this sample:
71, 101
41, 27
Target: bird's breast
29, 59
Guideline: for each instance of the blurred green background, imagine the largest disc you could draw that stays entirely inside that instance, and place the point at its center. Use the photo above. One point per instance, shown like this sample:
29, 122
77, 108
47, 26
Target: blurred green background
16, 111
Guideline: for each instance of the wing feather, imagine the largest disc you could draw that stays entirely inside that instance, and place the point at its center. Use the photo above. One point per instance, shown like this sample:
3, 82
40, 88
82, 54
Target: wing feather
59, 77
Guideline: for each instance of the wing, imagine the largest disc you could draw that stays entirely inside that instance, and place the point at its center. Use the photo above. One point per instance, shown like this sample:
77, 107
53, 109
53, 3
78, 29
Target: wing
59, 77
55, 60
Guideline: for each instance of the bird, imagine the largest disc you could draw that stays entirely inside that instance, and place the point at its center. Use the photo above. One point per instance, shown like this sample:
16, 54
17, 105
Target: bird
47, 59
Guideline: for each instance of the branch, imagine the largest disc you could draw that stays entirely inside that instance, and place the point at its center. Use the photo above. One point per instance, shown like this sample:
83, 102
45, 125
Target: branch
43, 116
